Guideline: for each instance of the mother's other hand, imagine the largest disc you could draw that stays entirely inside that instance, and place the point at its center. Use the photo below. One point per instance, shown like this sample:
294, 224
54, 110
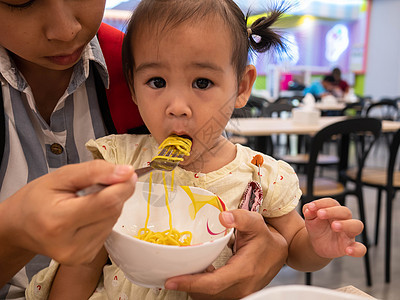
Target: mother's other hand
260, 254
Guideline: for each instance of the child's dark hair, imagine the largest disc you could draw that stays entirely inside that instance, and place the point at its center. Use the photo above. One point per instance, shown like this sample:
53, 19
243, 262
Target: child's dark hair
166, 14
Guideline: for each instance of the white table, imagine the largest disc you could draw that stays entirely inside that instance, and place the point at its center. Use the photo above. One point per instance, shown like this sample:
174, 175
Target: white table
269, 126
263, 127
337, 106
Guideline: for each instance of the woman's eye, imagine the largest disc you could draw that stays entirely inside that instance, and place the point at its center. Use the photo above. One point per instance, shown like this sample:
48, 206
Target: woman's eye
156, 83
202, 83
20, 5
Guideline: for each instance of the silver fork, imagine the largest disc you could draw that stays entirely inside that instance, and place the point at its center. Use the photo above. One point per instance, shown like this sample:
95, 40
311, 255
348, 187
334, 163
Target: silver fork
169, 160
167, 163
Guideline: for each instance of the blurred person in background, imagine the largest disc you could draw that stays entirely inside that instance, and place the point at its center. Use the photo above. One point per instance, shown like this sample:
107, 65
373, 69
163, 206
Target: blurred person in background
323, 88
342, 84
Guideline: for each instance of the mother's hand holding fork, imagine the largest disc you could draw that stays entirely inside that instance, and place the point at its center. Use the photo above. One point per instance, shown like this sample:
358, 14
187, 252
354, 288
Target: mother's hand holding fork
50, 219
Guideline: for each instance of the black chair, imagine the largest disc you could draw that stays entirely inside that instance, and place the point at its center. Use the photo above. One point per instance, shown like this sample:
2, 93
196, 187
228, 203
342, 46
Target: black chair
385, 109
348, 132
300, 161
353, 109
385, 178
274, 110
252, 108
397, 100
294, 100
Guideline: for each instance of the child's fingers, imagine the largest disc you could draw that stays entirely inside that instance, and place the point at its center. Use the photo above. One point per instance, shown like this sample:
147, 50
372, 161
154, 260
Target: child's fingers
309, 214
321, 203
350, 227
335, 212
356, 250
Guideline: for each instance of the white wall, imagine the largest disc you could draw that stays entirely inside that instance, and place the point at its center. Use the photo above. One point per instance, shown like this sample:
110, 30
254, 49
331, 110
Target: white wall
383, 63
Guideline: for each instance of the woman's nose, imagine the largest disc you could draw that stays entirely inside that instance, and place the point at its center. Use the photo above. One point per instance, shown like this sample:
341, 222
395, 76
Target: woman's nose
62, 23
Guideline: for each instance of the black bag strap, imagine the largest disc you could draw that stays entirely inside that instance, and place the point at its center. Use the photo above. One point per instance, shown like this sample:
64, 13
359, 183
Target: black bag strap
103, 103
2, 125
105, 109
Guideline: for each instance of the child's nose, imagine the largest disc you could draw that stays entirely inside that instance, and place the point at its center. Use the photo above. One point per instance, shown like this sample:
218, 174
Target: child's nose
62, 23
178, 107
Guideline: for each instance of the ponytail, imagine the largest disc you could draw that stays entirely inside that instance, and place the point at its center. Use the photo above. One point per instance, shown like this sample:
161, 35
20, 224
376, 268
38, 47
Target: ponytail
262, 37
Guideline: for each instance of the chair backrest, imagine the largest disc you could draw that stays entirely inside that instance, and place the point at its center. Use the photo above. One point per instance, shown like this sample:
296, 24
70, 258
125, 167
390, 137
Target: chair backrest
293, 100
276, 108
353, 109
393, 151
385, 109
253, 108
362, 131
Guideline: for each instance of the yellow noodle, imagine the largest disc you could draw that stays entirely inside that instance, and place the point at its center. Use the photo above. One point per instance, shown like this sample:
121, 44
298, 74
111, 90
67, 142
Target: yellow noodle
170, 236
167, 237
178, 145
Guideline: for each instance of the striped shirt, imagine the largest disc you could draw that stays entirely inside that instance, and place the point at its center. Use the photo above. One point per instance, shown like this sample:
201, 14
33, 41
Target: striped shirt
34, 148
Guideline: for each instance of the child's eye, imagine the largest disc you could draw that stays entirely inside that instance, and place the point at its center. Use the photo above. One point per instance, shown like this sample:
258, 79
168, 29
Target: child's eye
20, 5
202, 83
156, 83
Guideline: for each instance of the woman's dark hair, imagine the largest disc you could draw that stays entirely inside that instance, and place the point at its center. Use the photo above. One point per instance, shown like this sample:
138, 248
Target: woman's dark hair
329, 78
337, 74
166, 14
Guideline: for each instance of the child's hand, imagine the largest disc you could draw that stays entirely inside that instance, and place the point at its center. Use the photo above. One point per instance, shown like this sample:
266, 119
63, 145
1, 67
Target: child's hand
332, 230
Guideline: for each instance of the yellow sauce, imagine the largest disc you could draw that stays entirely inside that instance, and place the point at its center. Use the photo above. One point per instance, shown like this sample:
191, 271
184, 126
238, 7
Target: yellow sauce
198, 201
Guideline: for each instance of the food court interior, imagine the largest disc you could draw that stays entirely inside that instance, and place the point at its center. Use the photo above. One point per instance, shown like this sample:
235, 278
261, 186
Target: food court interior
360, 37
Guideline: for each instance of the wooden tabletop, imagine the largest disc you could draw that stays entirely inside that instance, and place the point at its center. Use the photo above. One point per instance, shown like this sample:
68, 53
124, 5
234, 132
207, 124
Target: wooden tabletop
268, 126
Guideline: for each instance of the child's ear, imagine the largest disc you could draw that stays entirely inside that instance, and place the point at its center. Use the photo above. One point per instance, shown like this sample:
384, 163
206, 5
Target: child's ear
131, 89
245, 86
133, 96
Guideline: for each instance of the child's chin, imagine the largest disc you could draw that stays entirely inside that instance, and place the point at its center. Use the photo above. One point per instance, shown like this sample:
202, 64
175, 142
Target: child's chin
184, 163
188, 165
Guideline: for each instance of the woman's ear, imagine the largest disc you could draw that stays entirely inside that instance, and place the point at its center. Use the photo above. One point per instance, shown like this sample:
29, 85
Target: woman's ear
245, 86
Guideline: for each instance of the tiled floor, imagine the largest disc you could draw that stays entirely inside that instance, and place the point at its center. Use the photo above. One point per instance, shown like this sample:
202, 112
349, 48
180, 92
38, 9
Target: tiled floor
350, 271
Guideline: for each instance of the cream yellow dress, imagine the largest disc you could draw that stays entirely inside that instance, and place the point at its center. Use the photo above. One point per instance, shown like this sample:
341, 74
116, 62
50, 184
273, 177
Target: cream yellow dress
278, 181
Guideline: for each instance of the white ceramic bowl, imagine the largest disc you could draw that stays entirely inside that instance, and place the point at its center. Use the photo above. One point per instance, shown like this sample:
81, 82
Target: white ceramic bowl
150, 264
289, 292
